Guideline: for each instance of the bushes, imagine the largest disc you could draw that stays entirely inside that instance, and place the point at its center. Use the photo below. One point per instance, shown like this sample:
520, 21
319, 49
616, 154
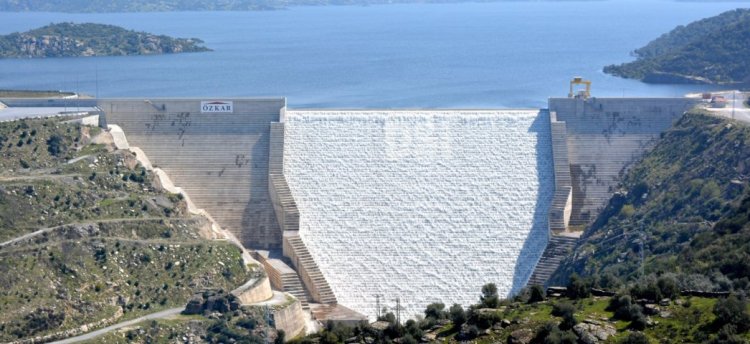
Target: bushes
625, 309
457, 314
567, 311
732, 311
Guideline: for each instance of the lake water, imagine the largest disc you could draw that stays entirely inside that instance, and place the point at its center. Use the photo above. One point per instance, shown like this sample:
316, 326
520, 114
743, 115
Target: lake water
471, 55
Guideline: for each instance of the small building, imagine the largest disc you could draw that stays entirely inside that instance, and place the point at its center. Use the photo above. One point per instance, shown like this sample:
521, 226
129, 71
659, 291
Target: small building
718, 102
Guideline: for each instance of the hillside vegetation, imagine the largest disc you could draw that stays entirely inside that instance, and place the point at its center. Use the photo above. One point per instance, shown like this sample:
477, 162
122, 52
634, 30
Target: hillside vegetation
569, 316
104, 243
682, 214
88, 39
712, 50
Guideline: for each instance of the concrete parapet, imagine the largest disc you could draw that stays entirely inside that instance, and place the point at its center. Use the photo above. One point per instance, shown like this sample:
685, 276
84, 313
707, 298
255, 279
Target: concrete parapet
290, 318
255, 292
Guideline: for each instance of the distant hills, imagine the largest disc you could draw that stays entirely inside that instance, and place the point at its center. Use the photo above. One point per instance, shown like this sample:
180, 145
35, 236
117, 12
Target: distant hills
709, 51
188, 5
69, 40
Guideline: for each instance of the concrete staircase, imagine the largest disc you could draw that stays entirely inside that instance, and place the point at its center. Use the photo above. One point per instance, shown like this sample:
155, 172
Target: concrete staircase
293, 285
557, 249
316, 283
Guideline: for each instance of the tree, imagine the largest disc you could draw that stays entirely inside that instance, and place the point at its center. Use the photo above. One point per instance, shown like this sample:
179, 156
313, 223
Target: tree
536, 294
458, 316
55, 145
435, 311
578, 288
732, 311
489, 298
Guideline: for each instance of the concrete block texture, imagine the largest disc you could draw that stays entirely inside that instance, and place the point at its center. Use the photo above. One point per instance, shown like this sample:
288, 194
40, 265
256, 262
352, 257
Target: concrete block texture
604, 137
220, 159
422, 205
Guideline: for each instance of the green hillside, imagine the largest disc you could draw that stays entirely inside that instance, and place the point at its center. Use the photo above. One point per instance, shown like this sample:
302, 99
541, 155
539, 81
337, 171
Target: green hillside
105, 243
712, 50
88, 39
682, 213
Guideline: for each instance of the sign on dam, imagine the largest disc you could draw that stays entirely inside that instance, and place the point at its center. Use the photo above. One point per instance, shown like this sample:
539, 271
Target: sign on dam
424, 206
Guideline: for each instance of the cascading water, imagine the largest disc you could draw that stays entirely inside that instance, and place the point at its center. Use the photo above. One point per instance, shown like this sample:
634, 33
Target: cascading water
424, 206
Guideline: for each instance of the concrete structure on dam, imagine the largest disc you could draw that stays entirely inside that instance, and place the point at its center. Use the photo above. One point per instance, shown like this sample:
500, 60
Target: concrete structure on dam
421, 205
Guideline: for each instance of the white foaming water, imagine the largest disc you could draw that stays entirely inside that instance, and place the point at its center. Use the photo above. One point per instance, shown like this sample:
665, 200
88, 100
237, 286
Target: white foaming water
425, 206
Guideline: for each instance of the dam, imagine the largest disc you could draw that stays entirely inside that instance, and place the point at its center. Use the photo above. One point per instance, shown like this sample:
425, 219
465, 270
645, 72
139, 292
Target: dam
344, 207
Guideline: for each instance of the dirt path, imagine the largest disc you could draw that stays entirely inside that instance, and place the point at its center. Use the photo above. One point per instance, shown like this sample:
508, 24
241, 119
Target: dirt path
91, 335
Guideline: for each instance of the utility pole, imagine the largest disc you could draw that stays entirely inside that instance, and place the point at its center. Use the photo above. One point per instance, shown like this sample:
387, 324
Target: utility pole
377, 305
398, 311
643, 239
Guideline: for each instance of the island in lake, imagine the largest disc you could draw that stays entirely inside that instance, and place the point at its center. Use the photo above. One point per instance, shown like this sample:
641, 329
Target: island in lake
89, 39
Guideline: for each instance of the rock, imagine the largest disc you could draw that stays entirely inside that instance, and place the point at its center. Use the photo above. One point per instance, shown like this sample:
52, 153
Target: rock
651, 309
664, 302
428, 337
522, 336
195, 305
665, 314
505, 323
594, 333
679, 302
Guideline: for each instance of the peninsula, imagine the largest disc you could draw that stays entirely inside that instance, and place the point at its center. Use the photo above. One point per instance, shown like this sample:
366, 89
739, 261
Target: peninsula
708, 51
89, 39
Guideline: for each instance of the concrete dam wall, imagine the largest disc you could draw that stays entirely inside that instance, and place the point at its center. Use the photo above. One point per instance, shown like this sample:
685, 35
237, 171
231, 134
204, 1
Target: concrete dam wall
604, 136
219, 158
422, 205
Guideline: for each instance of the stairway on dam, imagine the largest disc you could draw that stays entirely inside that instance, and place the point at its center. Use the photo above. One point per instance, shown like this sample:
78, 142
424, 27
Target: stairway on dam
557, 249
220, 159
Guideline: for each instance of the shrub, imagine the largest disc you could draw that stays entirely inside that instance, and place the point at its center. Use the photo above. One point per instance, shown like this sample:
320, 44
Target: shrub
536, 294
55, 145
635, 338
566, 310
457, 314
578, 288
549, 333
435, 311
489, 298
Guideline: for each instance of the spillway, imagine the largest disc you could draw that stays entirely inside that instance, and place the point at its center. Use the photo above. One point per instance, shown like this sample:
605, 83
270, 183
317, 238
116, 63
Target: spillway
423, 206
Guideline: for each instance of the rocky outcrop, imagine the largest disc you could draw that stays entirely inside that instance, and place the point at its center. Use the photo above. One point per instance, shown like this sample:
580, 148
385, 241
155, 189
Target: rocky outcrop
593, 332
